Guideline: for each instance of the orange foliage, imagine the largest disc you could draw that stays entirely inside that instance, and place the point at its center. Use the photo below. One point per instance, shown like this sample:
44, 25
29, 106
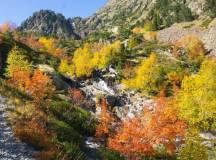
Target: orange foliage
6, 27
34, 134
106, 119
150, 36
33, 43
60, 53
19, 78
193, 45
38, 85
142, 135
137, 30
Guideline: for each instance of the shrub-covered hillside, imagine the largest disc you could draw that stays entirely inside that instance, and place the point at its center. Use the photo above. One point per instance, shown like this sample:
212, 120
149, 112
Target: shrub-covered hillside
143, 92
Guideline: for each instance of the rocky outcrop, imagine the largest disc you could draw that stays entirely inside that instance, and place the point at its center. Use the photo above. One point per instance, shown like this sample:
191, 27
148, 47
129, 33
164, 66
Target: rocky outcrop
49, 23
123, 103
177, 31
10, 147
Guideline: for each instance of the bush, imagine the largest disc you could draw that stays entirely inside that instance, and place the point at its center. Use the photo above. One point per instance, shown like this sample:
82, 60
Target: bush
33, 133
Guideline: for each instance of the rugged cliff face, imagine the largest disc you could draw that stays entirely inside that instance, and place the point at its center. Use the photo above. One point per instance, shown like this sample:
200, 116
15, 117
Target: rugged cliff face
47, 22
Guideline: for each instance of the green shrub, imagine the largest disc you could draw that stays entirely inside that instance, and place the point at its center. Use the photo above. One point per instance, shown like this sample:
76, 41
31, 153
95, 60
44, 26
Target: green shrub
107, 154
79, 119
64, 131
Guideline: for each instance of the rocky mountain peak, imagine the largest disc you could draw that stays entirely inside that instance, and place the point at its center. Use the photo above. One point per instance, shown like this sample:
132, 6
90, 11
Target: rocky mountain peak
47, 22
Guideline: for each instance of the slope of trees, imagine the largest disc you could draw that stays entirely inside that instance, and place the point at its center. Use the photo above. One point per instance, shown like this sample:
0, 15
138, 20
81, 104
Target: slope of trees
197, 98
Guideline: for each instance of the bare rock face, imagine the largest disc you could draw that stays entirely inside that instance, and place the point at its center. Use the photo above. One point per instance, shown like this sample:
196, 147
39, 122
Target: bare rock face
177, 31
48, 23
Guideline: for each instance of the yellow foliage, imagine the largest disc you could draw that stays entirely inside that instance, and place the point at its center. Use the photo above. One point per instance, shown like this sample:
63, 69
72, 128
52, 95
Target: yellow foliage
146, 75
197, 98
48, 43
138, 30
103, 57
193, 148
86, 59
82, 61
64, 67
16, 60
148, 26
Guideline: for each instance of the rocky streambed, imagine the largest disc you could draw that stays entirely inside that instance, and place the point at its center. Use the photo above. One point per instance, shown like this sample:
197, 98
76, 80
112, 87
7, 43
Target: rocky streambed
124, 103
10, 147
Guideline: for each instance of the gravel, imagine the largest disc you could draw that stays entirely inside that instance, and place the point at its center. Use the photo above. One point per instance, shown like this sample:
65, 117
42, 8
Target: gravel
10, 147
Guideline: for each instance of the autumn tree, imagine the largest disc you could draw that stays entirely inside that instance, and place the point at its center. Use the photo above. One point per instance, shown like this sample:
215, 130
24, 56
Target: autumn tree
19, 69
106, 55
39, 86
48, 44
82, 61
90, 57
32, 42
150, 134
17, 61
105, 120
146, 75
197, 98
194, 47
65, 67
193, 148
6, 27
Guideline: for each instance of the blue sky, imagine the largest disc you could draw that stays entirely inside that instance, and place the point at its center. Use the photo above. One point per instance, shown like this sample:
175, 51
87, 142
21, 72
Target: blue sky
18, 10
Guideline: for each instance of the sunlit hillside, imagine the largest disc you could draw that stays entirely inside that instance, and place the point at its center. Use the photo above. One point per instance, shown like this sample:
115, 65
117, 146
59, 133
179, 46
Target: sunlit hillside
134, 81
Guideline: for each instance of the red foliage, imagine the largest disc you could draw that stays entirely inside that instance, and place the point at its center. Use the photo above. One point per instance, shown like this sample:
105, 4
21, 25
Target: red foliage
106, 119
141, 135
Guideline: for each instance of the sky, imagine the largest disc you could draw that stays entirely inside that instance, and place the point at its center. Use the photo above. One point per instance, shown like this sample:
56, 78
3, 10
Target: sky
16, 11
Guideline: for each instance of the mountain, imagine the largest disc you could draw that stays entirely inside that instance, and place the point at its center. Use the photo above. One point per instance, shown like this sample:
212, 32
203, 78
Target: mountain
126, 13
47, 22
116, 14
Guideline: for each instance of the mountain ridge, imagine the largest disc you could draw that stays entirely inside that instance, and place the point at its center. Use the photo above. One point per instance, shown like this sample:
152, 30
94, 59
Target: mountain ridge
116, 13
